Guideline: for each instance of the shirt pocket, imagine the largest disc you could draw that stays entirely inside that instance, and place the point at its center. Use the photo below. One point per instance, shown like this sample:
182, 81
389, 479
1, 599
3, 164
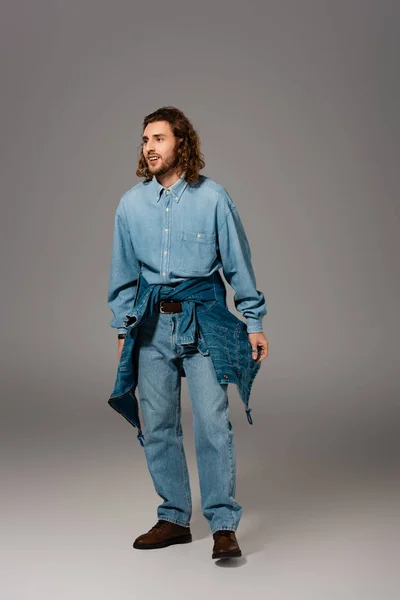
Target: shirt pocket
197, 252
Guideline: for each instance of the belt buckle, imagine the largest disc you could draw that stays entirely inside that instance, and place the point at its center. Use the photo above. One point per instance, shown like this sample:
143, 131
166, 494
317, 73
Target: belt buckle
162, 306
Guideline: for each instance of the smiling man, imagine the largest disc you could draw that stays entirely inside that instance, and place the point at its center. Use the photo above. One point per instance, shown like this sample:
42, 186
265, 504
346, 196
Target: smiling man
176, 229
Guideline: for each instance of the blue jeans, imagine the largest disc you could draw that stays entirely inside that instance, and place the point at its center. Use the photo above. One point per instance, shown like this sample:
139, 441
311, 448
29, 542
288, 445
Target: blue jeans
159, 363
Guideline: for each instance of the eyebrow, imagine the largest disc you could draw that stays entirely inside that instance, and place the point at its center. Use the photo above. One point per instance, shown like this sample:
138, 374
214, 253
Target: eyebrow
154, 135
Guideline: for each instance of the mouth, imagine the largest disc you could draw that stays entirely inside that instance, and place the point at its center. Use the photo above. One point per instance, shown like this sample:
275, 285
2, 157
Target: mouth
153, 159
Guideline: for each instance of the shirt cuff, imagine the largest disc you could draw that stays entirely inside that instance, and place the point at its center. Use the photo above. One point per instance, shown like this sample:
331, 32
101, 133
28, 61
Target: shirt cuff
254, 325
122, 329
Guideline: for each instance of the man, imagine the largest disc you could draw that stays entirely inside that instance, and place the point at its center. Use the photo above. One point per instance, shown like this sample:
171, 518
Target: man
174, 226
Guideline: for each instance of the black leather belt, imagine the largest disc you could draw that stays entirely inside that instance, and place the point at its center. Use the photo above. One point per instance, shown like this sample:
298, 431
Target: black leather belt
169, 306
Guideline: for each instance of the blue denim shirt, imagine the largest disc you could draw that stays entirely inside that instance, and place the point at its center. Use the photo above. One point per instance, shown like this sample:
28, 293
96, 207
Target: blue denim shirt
205, 321
172, 234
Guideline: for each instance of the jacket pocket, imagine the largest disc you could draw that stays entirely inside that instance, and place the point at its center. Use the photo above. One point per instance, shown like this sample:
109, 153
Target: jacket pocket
197, 252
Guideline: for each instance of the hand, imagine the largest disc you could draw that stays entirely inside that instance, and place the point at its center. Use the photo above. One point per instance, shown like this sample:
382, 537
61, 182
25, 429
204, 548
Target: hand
258, 340
120, 346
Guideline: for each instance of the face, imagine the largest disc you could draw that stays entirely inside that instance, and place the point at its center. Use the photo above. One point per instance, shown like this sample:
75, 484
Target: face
159, 141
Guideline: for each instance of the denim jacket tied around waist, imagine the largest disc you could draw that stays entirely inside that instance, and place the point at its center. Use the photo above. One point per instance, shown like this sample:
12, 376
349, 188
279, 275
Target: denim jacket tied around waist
205, 321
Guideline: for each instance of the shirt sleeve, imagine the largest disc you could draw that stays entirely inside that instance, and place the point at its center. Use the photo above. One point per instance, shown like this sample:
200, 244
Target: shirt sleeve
235, 257
124, 273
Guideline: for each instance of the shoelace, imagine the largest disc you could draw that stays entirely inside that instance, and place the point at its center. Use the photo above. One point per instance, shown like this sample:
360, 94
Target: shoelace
159, 526
226, 533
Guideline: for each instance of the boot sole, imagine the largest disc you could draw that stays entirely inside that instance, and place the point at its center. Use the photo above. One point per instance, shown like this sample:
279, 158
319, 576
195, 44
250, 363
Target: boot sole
233, 554
182, 539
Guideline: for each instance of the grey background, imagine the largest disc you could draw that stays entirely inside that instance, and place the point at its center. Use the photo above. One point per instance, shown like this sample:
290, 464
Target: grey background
296, 104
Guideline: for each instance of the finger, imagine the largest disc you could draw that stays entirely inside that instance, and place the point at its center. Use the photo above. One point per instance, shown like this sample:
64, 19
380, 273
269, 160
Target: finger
263, 354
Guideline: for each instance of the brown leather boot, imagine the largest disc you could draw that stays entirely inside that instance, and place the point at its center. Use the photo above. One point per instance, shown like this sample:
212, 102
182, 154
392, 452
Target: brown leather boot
225, 544
163, 534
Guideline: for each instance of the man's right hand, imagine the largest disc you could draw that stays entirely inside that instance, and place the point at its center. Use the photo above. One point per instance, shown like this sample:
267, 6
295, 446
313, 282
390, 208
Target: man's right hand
120, 346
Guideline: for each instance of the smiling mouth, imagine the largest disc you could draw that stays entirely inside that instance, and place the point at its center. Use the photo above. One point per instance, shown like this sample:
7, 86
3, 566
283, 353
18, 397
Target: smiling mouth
155, 159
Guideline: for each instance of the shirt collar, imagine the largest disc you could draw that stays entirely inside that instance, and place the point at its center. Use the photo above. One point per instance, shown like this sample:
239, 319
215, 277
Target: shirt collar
176, 189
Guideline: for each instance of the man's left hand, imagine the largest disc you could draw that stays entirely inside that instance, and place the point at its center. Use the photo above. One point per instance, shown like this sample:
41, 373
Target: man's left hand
258, 340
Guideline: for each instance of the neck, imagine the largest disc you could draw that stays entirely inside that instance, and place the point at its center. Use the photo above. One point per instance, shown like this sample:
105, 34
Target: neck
168, 179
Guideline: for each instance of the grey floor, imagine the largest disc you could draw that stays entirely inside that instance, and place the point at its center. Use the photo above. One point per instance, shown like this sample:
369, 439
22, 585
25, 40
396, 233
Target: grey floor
320, 519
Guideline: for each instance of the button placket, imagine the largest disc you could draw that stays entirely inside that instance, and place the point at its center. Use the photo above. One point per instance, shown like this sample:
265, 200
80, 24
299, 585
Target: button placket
164, 260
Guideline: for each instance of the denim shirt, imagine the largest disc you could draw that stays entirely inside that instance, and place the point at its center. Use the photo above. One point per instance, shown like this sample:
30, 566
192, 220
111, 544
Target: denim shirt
172, 234
205, 321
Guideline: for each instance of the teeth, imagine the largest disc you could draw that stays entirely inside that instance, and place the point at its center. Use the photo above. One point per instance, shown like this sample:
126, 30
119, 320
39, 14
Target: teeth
156, 158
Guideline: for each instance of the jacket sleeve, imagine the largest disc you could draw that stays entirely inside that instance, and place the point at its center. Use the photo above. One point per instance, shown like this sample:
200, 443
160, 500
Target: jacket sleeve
235, 257
124, 273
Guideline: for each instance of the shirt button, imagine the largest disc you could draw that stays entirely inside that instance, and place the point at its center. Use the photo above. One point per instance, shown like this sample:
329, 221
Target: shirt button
165, 252
164, 273
198, 235
166, 229
226, 376
167, 209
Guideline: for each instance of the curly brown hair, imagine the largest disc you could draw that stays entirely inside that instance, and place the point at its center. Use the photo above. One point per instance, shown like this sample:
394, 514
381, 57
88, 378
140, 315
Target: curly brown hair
190, 158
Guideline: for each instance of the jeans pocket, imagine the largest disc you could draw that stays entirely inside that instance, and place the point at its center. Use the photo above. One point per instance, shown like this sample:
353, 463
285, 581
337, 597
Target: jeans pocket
202, 347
